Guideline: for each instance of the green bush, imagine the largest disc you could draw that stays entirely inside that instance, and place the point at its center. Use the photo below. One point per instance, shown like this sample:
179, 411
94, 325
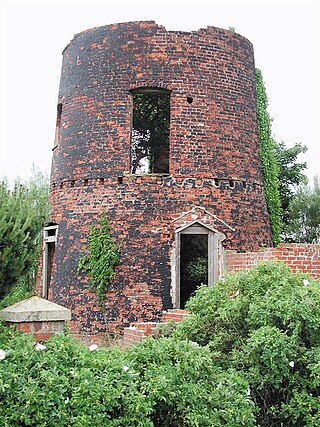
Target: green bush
162, 383
265, 324
249, 354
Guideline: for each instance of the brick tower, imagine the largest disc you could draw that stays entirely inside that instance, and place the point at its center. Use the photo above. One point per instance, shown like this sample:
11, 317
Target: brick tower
159, 128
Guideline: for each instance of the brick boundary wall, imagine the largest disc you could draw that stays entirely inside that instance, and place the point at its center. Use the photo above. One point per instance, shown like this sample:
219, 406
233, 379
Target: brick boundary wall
299, 256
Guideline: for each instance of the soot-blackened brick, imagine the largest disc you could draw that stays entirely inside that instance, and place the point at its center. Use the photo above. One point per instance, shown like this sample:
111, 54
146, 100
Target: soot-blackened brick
214, 167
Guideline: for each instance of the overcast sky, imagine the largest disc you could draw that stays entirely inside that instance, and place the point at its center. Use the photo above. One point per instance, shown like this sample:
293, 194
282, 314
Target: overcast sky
285, 36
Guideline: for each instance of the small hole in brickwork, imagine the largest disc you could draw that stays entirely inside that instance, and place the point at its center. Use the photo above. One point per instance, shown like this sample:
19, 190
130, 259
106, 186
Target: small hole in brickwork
120, 180
72, 183
61, 185
189, 100
101, 180
85, 181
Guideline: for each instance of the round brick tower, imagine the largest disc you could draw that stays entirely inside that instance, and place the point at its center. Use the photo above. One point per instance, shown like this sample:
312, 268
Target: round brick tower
193, 169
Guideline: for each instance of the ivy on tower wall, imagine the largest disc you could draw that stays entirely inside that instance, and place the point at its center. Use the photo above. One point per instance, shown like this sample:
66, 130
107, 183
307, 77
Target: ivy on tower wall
268, 161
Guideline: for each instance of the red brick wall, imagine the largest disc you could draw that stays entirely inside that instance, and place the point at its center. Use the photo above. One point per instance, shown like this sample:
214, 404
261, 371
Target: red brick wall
214, 160
40, 330
300, 257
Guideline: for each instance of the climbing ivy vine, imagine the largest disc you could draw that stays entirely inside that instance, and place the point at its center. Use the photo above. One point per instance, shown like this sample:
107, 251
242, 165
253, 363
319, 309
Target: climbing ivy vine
103, 256
269, 165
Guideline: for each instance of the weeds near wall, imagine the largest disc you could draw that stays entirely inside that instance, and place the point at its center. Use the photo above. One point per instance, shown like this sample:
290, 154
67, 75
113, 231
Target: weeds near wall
103, 256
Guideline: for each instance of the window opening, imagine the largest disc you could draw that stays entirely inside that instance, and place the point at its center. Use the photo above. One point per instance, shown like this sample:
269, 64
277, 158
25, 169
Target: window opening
193, 264
49, 242
58, 125
150, 131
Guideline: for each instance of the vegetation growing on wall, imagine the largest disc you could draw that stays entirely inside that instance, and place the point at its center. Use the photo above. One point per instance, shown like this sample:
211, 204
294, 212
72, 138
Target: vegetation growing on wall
269, 165
103, 256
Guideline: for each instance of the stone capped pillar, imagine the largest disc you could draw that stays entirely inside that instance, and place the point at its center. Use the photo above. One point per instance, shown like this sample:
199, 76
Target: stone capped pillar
37, 316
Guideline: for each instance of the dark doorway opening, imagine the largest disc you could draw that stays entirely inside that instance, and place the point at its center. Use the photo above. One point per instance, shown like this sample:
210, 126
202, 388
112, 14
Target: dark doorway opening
50, 249
193, 264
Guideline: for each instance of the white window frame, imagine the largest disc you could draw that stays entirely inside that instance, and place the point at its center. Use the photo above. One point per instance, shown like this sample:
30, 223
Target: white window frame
47, 240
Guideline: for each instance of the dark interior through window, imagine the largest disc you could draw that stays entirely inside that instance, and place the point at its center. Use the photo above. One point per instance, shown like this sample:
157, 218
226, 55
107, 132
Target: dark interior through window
150, 131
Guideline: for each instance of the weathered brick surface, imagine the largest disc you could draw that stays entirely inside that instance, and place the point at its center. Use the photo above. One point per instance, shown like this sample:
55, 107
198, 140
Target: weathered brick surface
40, 330
300, 257
214, 166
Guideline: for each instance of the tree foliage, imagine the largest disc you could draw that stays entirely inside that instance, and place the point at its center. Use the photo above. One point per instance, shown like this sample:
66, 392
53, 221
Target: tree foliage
23, 212
269, 165
303, 223
290, 174
150, 132
103, 256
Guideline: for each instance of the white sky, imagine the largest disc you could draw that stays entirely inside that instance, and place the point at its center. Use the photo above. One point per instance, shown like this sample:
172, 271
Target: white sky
285, 35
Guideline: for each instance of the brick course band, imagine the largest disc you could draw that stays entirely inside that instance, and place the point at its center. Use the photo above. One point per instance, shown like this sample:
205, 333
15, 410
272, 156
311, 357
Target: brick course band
164, 181
213, 161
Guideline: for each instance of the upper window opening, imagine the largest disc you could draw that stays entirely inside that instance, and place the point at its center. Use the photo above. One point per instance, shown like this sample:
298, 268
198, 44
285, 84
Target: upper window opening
58, 125
150, 131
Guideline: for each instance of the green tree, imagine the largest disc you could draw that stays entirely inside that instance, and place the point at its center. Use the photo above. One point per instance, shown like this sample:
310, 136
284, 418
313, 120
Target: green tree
269, 164
290, 174
303, 225
23, 212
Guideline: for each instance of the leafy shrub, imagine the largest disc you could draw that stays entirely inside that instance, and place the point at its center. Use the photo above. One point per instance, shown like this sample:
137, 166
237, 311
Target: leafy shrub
249, 354
66, 385
265, 324
162, 382
185, 388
